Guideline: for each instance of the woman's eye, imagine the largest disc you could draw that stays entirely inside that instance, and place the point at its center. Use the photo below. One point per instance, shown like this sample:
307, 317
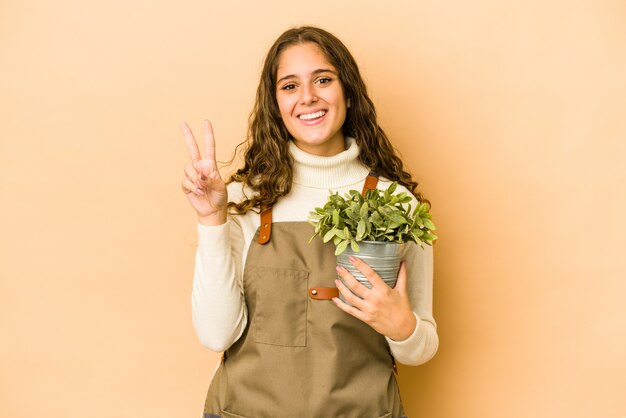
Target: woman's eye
288, 87
325, 80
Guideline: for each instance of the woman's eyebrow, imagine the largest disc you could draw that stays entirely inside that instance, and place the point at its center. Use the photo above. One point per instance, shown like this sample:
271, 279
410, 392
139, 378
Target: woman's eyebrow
316, 72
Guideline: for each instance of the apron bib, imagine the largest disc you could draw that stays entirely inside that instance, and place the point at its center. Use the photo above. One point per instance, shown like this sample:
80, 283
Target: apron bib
300, 356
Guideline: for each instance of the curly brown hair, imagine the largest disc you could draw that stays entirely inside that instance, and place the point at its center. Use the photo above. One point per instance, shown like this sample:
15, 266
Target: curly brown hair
268, 165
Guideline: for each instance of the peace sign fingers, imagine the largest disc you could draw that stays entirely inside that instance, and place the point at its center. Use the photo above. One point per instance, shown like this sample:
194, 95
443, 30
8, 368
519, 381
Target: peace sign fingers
203, 184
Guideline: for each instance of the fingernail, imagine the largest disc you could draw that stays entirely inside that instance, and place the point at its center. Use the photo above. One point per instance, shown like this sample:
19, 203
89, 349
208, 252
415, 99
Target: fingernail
352, 259
198, 191
338, 268
336, 301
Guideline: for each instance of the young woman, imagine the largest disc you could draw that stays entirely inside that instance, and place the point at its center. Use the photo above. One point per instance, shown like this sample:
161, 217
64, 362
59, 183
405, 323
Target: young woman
266, 296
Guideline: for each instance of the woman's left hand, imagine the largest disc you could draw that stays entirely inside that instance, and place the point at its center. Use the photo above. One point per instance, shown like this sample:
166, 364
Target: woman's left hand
386, 310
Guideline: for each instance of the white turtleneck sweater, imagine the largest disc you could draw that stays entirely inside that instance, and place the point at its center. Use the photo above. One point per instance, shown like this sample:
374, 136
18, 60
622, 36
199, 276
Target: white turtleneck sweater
218, 306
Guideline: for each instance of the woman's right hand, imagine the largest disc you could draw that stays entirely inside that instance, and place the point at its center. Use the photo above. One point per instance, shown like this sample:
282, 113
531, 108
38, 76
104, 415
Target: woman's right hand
203, 184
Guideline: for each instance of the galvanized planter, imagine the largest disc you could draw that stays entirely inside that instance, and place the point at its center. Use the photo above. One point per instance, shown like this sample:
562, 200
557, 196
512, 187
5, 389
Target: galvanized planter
383, 257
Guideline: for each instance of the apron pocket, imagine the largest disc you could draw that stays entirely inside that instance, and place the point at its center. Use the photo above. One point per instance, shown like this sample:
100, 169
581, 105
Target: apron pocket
281, 303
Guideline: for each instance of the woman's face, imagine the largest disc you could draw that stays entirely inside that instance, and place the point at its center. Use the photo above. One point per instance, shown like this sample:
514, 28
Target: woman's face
311, 100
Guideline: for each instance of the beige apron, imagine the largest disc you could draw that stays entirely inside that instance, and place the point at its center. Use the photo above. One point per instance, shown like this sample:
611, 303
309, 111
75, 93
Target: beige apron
300, 356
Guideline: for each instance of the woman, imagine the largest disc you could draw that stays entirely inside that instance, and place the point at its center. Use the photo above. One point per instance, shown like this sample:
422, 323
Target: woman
267, 297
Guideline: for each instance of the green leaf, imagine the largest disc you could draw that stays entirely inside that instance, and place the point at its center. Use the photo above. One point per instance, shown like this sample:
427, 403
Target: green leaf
393, 187
354, 246
429, 237
360, 230
406, 199
341, 247
384, 211
354, 195
363, 210
397, 218
429, 224
417, 233
329, 235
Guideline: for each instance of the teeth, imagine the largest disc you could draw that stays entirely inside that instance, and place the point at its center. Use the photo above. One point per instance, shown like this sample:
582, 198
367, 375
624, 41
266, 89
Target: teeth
315, 115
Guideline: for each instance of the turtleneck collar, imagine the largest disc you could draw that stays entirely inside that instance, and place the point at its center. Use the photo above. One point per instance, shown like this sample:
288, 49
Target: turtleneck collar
341, 170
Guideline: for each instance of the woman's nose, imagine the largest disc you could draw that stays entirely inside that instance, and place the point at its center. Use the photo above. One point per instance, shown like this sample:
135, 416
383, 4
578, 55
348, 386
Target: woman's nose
307, 95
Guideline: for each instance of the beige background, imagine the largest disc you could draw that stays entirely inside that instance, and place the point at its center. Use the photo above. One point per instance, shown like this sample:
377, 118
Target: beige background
511, 115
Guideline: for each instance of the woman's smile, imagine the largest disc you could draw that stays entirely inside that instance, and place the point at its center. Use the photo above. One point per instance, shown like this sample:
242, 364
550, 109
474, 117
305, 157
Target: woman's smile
314, 117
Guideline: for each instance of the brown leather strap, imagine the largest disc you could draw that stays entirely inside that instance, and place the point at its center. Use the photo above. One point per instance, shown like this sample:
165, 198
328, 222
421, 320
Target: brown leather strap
323, 293
371, 181
265, 230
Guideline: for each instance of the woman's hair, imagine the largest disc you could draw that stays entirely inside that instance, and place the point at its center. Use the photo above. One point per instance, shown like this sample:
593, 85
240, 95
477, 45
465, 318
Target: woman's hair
268, 165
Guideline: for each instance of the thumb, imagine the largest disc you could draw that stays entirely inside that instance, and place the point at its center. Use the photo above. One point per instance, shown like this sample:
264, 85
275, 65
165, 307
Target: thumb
400, 286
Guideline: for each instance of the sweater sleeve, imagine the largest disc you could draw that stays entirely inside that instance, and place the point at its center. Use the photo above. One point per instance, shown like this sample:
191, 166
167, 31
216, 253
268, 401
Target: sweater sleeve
219, 311
422, 345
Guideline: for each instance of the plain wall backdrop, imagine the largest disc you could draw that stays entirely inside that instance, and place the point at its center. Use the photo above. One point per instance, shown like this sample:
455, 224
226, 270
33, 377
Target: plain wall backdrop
511, 115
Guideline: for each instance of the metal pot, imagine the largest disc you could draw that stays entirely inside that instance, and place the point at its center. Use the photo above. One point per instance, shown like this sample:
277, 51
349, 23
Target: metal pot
383, 257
